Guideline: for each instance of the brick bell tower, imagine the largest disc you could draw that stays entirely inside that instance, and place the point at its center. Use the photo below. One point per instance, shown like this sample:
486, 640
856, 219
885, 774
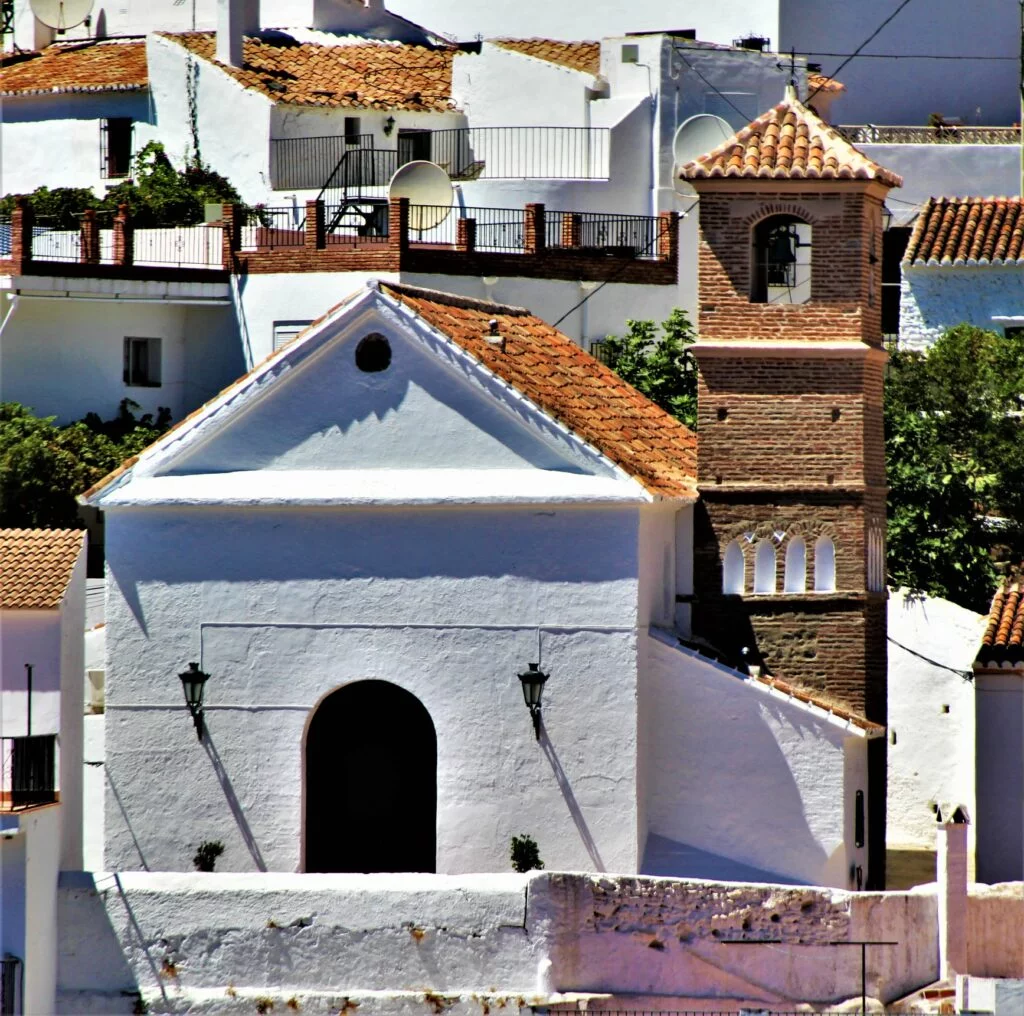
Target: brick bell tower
789, 541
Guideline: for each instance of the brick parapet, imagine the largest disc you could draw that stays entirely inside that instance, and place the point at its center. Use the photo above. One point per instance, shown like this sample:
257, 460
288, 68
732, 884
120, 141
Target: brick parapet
465, 235
315, 235
22, 221
124, 237
534, 229
89, 238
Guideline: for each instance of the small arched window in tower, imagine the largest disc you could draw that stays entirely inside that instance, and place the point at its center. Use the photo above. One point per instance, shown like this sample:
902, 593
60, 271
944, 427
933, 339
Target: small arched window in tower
764, 568
796, 565
824, 565
782, 261
732, 570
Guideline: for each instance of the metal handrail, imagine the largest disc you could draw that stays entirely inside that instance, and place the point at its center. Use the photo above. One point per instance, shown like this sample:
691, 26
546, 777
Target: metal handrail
872, 134
28, 776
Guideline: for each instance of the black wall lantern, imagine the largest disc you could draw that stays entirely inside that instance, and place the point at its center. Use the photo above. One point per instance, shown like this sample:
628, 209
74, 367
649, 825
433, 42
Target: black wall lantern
193, 681
389, 126
533, 681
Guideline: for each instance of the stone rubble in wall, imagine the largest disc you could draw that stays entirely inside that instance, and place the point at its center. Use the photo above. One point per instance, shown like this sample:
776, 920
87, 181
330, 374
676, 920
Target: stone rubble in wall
689, 911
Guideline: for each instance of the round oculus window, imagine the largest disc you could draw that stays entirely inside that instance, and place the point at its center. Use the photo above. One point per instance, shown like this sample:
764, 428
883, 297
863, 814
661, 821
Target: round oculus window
373, 354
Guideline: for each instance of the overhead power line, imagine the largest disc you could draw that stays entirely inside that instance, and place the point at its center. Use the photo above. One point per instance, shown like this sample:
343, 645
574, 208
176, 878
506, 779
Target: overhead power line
856, 52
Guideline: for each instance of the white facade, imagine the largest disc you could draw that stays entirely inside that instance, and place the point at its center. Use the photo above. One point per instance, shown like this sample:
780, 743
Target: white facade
935, 298
459, 535
62, 344
932, 645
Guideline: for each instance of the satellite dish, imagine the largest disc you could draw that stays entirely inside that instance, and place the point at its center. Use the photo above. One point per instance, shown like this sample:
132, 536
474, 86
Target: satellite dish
699, 135
429, 190
61, 14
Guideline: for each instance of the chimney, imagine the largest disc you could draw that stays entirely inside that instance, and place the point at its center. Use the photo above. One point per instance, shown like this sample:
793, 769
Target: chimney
235, 20
952, 888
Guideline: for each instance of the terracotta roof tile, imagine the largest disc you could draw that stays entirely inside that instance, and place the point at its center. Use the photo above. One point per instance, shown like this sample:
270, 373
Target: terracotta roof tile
76, 67
1003, 640
822, 703
820, 83
570, 385
789, 142
36, 566
579, 56
963, 231
361, 75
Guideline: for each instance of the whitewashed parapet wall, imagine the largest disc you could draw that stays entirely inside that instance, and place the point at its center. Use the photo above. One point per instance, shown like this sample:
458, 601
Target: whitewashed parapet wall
418, 944
934, 298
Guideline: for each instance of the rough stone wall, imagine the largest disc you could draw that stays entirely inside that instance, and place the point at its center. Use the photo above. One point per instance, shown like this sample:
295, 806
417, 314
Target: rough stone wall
995, 930
845, 284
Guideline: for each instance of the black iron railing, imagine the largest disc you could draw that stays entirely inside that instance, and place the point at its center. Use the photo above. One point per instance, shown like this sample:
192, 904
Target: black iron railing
628, 236
29, 770
524, 153
5, 236
10, 985
174, 246
270, 228
496, 229
305, 163
952, 134
56, 244
356, 220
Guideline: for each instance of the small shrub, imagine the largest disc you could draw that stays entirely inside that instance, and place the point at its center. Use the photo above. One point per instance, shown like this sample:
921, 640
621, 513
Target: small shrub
293, 1004
264, 1005
207, 854
524, 854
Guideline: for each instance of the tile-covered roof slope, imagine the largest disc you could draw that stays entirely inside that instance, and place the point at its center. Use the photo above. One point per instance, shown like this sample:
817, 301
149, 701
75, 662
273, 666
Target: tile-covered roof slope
963, 231
356, 75
109, 66
579, 56
568, 384
1003, 640
36, 565
789, 142
820, 83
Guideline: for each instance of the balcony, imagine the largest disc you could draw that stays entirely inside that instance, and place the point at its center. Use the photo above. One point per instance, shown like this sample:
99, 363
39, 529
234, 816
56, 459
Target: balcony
28, 771
357, 234
465, 153
870, 134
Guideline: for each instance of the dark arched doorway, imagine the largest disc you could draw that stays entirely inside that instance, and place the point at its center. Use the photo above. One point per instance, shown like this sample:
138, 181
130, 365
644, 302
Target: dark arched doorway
371, 781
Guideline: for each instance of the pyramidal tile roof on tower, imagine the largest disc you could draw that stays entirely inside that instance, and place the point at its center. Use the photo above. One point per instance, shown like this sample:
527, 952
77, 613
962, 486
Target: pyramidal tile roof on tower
968, 231
789, 142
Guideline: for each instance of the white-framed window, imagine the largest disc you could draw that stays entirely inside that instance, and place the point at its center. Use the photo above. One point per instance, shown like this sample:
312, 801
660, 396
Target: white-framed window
285, 331
732, 569
796, 565
142, 362
764, 567
824, 565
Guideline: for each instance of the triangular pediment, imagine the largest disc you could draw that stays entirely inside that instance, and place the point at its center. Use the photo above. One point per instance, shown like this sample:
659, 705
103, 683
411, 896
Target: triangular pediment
319, 423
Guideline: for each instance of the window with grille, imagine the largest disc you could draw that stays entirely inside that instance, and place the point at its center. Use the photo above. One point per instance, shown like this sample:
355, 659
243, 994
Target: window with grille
142, 362
116, 147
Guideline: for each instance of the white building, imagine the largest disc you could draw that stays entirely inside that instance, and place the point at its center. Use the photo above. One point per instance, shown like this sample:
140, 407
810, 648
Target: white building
963, 264
42, 616
472, 516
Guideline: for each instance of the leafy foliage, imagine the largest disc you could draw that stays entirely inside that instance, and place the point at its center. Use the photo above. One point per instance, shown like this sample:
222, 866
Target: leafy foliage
157, 195
524, 854
659, 368
206, 855
955, 451
44, 467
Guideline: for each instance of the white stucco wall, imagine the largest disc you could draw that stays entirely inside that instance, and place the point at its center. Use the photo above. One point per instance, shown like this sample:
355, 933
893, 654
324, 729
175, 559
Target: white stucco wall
931, 715
1000, 776
936, 170
187, 586
72, 663
788, 777
35, 128
42, 831
30, 636
933, 299
200, 354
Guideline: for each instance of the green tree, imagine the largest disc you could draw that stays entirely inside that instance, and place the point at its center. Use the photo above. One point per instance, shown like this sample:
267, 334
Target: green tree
44, 467
661, 368
157, 195
955, 456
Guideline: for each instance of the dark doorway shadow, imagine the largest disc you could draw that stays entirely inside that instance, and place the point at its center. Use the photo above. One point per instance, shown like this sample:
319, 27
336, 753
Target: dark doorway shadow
371, 782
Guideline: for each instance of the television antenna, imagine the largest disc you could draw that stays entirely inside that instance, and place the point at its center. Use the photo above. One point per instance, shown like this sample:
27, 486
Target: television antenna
61, 14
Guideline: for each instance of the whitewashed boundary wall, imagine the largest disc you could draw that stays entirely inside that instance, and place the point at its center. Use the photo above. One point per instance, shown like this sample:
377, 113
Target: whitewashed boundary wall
183, 939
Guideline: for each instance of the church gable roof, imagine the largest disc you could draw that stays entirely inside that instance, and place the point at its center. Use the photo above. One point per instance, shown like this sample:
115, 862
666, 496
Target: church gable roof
789, 142
575, 427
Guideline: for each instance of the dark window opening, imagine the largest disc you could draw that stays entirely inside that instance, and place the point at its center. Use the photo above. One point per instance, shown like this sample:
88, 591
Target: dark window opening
413, 146
858, 819
142, 362
373, 354
894, 246
352, 124
782, 261
116, 147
